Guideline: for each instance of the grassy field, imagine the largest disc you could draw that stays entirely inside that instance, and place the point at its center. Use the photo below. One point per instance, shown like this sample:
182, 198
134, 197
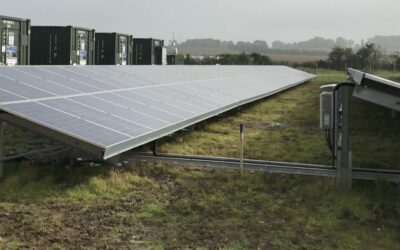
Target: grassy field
296, 58
142, 206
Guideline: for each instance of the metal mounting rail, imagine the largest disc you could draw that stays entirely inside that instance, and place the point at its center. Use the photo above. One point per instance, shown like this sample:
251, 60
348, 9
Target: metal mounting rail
36, 153
267, 166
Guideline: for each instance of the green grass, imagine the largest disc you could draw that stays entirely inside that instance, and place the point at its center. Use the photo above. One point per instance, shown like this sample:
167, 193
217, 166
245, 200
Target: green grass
77, 184
158, 206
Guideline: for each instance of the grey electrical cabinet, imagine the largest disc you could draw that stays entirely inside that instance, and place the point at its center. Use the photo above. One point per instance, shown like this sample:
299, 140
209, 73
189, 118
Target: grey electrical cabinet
326, 109
114, 49
15, 41
62, 45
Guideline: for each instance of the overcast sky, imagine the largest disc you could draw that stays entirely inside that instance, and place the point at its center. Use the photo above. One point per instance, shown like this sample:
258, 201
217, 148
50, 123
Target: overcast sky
286, 20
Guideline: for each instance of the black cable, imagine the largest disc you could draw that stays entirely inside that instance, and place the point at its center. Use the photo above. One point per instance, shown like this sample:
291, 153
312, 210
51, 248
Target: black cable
328, 139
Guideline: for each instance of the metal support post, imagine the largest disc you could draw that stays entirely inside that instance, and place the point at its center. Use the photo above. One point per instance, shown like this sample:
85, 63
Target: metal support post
2, 125
154, 145
342, 140
393, 114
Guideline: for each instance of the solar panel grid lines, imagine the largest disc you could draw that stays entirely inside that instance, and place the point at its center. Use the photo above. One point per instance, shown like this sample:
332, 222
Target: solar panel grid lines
130, 109
106, 76
57, 86
101, 111
116, 108
153, 99
71, 79
17, 111
143, 106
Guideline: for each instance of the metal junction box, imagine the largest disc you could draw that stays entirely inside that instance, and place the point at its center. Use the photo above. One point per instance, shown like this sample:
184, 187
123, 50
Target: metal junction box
114, 49
15, 41
326, 109
55, 45
148, 51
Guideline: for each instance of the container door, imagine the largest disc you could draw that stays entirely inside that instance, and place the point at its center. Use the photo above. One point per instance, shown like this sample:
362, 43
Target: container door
123, 47
82, 45
9, 47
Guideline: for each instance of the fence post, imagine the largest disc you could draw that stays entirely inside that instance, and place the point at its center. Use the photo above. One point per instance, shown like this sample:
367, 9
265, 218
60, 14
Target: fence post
241, 149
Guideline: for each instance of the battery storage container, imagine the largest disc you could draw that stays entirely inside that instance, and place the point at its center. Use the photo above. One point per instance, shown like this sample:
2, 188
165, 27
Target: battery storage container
114, 49
15, 41
62, 45
148, 51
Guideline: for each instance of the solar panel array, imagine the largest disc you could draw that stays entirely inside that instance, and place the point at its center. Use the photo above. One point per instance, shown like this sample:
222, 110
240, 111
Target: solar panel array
118, 108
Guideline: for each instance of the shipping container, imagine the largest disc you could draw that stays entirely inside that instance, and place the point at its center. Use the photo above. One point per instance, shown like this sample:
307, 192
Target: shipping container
62, 45
15, 41
148, 51
114, 49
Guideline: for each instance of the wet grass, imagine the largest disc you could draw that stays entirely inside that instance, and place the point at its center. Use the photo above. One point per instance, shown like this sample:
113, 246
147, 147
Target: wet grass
160, 206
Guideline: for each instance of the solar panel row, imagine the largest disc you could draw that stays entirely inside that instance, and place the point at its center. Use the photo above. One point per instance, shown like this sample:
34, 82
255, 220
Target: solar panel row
118, 108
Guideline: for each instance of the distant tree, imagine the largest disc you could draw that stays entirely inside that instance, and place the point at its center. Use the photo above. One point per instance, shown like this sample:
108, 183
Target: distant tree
209, 61
257, 59
369, 56
179, 59
243, 59
259, 46
279, 45
336, 57
350, 59
394, 59
340, 58
344, 43
226, 59
189, 60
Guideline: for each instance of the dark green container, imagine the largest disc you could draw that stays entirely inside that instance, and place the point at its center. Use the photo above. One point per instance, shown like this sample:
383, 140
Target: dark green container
171, 59
147, 51
114, 49
15, 41
55, 45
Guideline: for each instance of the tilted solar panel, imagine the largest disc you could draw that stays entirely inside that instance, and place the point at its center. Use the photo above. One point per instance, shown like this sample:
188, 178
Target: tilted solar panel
106, 110
375, 89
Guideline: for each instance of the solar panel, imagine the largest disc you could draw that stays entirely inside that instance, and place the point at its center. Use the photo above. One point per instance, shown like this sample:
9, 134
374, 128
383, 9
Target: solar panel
106, 110
375, 89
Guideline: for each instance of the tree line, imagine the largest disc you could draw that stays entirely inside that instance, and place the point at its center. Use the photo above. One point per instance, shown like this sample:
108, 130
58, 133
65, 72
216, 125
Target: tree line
229, 59
388, 43
369, 57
